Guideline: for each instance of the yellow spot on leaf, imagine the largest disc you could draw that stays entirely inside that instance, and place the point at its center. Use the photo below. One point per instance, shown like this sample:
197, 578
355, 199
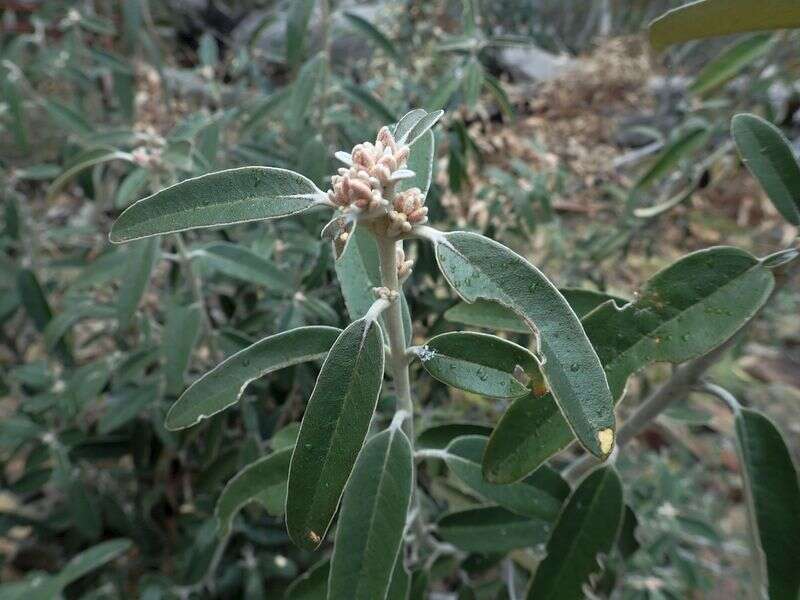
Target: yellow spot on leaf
606, 439
314, 537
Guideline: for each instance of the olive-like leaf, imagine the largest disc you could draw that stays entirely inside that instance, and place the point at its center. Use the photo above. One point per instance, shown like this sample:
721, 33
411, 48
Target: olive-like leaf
711, 18
769, 157
693, 136
370, 529
181, 330
686, 310
84, 160
140, 262
359, 271
216, 199
491, 315
478, 363
311, 585
477, 267
773, 498
539, 495
586, 528
375, 34
491, 529
438, 437
222, 386
730, 63
252, 484
420, 160
333, 430
244, 264
52, 586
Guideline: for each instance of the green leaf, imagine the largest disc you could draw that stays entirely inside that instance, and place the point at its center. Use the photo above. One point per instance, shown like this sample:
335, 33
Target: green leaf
492, 529
414, 124
59, 326
539, 495
420, 160
311, 585
400, 585
487, 314
368, 100
125, 406
244, 264
769, 157
67, 118
358, 271
265, 107
773, 498
730, 63
303, 88
85, 160
683, 312
690, 139
217, 199
369, 533
181, 330
586, 528
492, 315
252, 484
333, 430
140, 262
472, 82
373, 33
585, 301
711, 18
439, 436
478, 363
297, 30
223, 385
477, 267
81, 564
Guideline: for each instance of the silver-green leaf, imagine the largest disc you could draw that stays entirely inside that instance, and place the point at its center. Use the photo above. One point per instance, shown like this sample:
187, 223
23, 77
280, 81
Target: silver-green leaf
586, 528
333, 430
252, 484
773, 501
768, 155
370, 529
477, 267
224, 384
216, 199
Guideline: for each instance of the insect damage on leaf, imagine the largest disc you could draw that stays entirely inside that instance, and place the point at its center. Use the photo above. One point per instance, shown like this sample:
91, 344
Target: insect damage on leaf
606, 439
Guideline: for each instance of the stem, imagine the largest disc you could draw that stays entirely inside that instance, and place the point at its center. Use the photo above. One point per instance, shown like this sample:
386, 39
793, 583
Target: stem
683, 379
387, 253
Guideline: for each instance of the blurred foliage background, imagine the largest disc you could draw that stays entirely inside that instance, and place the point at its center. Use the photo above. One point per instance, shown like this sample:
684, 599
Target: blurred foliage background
564, 137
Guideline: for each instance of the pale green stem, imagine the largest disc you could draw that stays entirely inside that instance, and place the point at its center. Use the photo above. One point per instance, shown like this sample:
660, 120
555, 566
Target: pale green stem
398, 364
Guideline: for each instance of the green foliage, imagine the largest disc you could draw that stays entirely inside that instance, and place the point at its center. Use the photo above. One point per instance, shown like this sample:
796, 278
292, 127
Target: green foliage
438, 459
709, 18
216, 199
769, 157
586, 528
373, 517
478, 267
773, 494
333, 431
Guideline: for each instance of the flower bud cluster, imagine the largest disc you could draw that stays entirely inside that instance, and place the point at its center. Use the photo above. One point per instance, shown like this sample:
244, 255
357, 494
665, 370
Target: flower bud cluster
404, 266
408, 210
363, 185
